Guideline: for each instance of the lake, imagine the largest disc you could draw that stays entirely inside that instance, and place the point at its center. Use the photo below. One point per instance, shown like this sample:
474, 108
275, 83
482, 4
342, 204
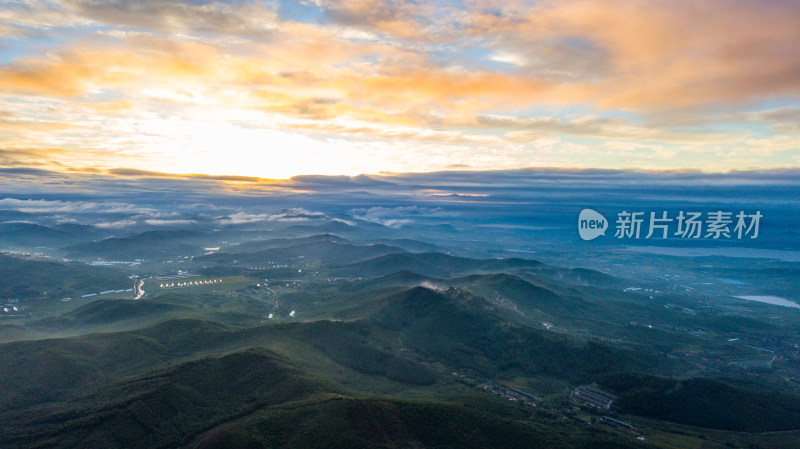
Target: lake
776, 300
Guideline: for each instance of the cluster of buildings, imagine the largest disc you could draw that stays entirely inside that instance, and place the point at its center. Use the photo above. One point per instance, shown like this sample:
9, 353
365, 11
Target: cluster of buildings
11, 306
511, 394
190, 283
594, 396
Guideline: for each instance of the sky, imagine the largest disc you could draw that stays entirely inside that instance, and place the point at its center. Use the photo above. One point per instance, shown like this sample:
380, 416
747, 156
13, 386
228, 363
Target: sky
276, 89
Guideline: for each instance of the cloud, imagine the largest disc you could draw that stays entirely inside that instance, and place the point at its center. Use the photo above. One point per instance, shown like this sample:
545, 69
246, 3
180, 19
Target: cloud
334, 182
662, 55
234, 91
234, 18
397, 133
159, 222
119, 224
58, 206
605, 128
153, 174
77, 70
289, 215
33, 17
347, 222
623, 54
296, 214
395, 217
407, 199
785, 120
49, 157
395, 18
244, 217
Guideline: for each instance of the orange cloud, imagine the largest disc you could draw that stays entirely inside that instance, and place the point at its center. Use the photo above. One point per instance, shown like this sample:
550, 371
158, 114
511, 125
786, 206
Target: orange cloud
654, 55
433, 76
74, 71
52, 157
395, 18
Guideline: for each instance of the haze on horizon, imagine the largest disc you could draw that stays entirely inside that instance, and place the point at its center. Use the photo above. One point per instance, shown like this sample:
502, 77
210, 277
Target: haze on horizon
276, 89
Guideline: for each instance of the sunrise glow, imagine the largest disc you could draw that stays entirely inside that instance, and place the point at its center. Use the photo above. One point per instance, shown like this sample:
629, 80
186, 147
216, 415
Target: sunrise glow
276, 89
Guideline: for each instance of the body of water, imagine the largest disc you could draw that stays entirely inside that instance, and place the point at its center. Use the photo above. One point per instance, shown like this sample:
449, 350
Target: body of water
776, 300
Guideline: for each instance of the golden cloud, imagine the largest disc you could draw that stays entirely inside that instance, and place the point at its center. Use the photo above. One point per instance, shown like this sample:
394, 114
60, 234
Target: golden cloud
655, 55
399, 70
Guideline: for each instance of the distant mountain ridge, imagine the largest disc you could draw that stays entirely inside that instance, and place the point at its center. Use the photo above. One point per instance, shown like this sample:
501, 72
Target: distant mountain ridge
146, 245
325, 249
17, 233
432, 264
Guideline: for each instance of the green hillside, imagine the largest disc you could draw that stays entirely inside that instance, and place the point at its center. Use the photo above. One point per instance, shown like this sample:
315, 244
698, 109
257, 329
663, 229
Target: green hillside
326, 250
380, 423
706, 403
406, 359
27, 278
432, 264
147, 245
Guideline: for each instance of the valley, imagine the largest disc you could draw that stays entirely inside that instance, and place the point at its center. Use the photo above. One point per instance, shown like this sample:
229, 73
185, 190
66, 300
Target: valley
243, 340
